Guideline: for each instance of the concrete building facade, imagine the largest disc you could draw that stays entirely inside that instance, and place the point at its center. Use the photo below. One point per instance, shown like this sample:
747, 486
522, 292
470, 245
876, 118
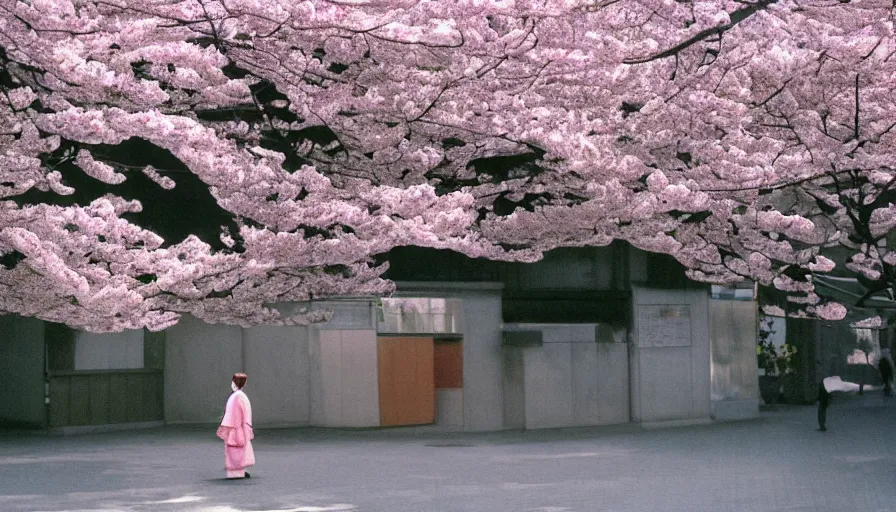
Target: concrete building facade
586, 337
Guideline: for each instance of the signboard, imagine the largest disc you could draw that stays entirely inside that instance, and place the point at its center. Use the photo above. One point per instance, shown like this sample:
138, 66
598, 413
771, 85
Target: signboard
664, 325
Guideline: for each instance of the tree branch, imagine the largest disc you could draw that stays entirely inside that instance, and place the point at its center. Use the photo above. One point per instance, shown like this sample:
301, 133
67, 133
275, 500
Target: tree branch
736, 17
856, 115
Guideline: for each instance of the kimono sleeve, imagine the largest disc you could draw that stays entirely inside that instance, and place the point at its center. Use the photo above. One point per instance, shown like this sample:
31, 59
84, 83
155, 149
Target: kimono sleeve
231, 431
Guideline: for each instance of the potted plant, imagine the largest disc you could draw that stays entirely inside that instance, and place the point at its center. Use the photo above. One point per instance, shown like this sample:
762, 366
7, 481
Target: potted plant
774, 363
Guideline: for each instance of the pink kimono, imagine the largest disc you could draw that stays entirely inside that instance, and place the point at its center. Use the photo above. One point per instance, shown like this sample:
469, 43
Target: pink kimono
236, 431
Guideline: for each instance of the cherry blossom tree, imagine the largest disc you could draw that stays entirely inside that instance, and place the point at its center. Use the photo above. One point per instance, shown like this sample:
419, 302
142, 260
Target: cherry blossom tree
742, 138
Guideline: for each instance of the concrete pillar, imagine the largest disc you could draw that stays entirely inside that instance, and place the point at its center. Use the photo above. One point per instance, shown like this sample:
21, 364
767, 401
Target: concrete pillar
483, 396
670, 356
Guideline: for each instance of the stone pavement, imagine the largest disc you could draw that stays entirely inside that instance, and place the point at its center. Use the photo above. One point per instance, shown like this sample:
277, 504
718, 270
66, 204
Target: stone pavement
775, 463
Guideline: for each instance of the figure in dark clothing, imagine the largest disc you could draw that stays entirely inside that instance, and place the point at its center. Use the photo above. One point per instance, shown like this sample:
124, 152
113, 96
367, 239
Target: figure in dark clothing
824, 400
886, 373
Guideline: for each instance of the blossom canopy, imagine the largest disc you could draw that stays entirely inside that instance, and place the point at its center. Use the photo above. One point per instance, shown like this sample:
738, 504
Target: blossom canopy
742, 138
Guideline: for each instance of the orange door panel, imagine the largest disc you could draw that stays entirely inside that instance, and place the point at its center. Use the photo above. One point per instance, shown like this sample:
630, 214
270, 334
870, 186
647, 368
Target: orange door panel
406, 381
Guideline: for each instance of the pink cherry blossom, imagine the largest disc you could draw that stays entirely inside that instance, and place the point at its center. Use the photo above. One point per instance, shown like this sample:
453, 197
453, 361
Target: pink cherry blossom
743, 139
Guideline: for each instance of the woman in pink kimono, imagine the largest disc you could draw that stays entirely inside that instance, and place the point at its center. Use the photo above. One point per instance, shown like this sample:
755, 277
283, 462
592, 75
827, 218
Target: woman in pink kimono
236, 431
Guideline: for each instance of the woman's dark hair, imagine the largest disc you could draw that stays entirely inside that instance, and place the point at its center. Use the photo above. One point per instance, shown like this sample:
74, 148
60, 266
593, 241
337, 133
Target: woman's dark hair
240, 379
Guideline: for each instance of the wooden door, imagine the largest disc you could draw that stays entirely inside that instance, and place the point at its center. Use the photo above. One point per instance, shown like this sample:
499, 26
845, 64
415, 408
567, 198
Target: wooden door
406, 381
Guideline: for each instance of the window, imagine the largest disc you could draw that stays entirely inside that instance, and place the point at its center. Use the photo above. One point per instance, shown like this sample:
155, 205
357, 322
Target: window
420, 316
435, 318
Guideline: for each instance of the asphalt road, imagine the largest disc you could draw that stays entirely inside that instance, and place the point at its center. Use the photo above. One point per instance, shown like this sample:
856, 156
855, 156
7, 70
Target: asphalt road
778, 462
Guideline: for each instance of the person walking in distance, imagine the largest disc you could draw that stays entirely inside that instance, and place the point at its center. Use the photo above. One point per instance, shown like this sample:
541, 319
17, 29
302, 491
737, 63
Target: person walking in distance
824, 400
236, 430
885, 366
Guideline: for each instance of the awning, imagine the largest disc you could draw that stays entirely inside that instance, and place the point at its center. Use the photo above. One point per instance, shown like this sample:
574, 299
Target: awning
847, 291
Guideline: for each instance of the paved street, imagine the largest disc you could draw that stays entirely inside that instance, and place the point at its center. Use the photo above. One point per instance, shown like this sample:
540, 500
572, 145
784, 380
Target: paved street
777, 462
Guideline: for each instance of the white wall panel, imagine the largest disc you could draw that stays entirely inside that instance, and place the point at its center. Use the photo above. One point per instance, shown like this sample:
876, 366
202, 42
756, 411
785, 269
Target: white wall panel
360, 392
549, 386
613, 383
277, 362
109, 351
200, 360
670, 361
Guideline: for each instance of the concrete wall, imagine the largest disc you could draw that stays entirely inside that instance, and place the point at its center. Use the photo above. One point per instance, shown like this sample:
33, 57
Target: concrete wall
348, 314
612, 390
588, 268
514, 387
450, 408
733, 331
343, 378
568, 380
670, 362
342, 367
479, 405
200, 360
109, 351
483, 394
327, 374
277, 363
548, 385
319, 375
22, 365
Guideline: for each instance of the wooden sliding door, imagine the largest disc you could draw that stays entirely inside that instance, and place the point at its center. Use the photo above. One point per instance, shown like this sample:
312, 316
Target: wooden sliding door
406, 380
